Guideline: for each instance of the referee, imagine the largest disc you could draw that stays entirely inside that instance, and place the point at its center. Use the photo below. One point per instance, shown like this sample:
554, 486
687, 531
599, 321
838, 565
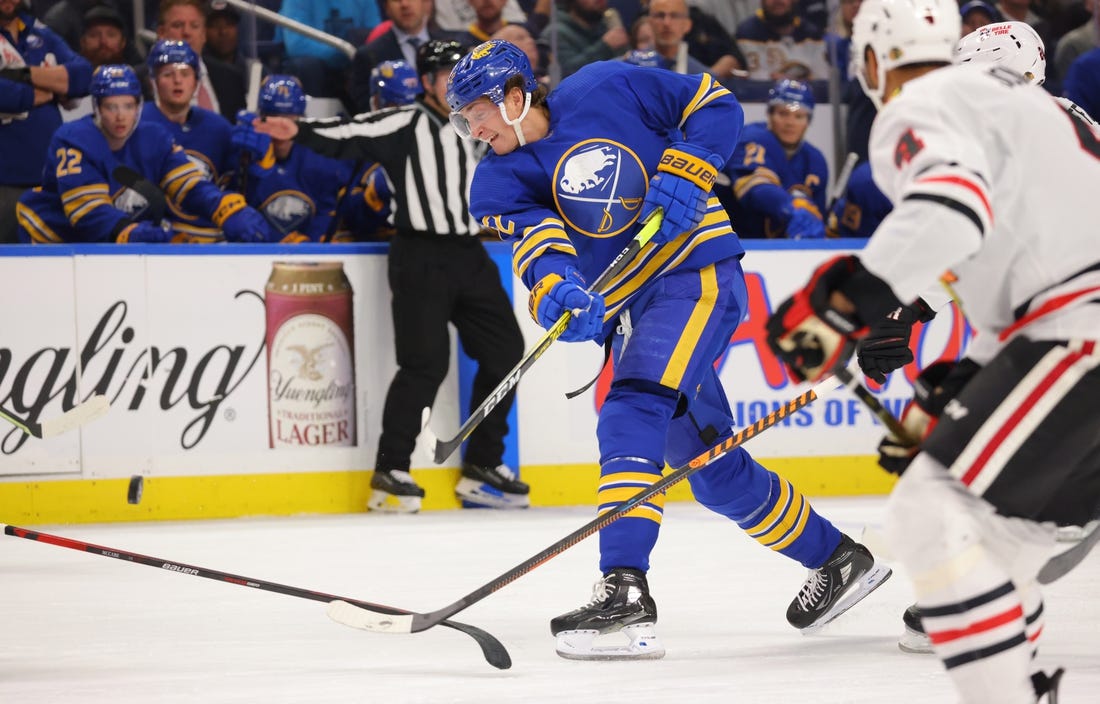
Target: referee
439, 272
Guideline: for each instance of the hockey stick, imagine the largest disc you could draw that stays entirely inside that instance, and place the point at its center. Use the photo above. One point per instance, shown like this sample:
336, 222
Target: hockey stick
899, 431
1061, 564
372, 619
494, 652
148, 190
444, 448
75, 417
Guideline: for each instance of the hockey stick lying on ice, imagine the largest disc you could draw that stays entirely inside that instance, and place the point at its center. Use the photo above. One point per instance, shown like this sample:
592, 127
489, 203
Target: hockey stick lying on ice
1055, 568
444, 448
369, 618
494, 652
75, 417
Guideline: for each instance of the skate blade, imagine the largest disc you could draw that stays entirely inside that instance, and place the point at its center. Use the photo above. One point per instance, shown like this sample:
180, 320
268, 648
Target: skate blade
869, 582
385, 502
914, 642
475, 494
642, 644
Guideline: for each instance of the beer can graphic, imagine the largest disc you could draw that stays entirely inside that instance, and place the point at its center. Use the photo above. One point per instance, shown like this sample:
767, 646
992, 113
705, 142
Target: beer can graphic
310, 355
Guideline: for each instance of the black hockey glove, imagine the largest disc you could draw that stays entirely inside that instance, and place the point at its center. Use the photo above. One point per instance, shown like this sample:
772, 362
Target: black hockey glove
886, 346
933, 389
18, 75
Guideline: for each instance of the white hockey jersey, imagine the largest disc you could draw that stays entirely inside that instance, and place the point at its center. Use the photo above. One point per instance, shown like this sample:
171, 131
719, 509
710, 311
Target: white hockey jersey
994, 181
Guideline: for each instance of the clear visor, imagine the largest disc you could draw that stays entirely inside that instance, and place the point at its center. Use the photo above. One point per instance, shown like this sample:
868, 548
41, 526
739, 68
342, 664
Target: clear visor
467, 120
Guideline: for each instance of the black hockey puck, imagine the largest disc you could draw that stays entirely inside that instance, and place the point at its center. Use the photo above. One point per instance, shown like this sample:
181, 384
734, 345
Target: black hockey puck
133, 494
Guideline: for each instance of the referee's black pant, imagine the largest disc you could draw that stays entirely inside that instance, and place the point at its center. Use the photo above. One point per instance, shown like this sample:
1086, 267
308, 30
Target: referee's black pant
435, 280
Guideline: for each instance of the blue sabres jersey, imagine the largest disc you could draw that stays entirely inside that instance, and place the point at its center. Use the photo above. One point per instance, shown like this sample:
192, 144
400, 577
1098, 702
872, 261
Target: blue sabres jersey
575, 196
204, 138
761, 161
365, 210
81, 201
299, 195
859, 211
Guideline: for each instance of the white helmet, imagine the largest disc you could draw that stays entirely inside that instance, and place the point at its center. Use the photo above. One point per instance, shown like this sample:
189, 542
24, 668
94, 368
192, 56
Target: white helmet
903, 32
1014, 45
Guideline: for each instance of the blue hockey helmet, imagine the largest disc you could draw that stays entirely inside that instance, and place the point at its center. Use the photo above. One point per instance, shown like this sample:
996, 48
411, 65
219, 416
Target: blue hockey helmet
281, 94
168, 52
644, 58
485, 70
792, 94
114, 79
394, 83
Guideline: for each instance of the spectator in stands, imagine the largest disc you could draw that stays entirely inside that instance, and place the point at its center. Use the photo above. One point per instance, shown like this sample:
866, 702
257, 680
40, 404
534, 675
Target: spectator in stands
456, 16
37, 69
83, 198
67, 19
838, 41
728, 13
202, 134
977, 13
222, 86
777, 43
409, 31
779, 179
519, 35
488, 19
642, 37
671, 23
322, 68
709, 42
585, 35
860, 209
103, 40
223, 38
1082, 84
300, 192
1078, 41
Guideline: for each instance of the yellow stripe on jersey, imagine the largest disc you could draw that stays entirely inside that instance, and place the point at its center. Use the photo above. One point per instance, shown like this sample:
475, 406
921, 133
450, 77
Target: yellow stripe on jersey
758, 177
186, 232
178, 182
697, 321
548, 234
78, 208
709, 89
40, 232
785, 522
617, 487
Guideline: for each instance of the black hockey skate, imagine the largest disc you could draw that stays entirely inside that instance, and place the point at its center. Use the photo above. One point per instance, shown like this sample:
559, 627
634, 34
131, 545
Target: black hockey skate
914, 640
491, 487
849, 575
1046, 686
394, 492
620, 604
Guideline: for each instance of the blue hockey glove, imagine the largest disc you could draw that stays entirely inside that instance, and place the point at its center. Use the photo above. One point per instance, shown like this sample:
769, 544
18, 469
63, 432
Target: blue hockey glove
256, 145
553, 295
248, 225
681, 187
805, 225
245, 117
148, 232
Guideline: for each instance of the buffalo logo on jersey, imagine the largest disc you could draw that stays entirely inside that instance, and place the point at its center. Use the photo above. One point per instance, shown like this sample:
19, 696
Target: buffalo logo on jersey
288, 211
130, 202
599, 186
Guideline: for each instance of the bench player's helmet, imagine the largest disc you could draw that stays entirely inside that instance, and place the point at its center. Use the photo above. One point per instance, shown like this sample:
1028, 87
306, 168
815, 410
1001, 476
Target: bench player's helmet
281, 94
1014, 45
900, 33
393, 83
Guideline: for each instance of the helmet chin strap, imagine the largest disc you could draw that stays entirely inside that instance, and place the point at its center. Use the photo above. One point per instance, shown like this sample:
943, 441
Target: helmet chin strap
516, 126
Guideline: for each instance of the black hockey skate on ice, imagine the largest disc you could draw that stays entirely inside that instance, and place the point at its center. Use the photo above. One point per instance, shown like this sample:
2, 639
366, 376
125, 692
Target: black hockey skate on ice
620, 604
394, 492
1046, 686
914, 640
849, 575
491, 487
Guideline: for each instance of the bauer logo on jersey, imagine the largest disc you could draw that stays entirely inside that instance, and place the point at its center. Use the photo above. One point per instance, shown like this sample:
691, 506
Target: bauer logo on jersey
288, 211
599, 186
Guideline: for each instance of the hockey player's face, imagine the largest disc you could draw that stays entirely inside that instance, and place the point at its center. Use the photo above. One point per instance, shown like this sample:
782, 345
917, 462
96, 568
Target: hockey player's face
487, 125
176, 85
118, 115
789, 126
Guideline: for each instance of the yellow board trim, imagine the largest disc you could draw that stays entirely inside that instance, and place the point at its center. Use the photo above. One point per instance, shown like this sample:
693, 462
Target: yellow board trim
54, 501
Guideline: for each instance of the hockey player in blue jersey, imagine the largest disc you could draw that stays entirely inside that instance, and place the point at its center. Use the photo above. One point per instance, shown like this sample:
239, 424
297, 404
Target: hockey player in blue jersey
571, 177
299, 190
81, 200
779, 179
174, 70
861, 207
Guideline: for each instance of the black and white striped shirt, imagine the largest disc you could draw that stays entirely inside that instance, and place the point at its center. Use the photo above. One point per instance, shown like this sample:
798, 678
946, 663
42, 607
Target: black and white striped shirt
429, 166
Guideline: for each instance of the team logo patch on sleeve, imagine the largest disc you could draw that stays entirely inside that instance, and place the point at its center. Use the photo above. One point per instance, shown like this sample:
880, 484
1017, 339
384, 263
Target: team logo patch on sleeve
599, 186
908, 147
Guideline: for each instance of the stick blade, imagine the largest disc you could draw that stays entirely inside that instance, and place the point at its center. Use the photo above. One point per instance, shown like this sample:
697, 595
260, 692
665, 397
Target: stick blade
75, 417
354, 616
